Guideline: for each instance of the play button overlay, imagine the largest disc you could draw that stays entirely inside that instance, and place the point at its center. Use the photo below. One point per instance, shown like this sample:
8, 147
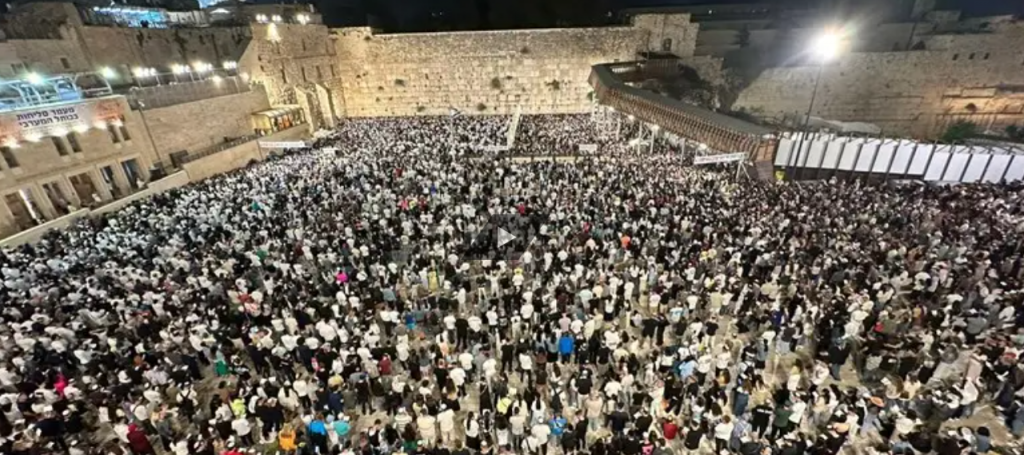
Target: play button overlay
501, 237
504, 237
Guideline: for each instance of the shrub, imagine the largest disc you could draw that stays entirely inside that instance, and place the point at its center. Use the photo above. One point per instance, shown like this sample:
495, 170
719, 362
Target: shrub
496, 83
958, 132
481, 107
400, 82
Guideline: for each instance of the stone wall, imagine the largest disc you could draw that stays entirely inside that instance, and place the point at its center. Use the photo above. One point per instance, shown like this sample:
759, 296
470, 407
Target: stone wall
297, 65
903, 92
206, 123
240, 156
126, 48
491, 72
668, 33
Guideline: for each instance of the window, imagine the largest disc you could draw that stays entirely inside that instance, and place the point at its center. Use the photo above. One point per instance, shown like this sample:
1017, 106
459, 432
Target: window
58, 142
956, 56
65, 63
334, 71
124, 130
985, 57
284, 76
666, 45
303, 45
304, 79
970, 57
112, 129
73, 140
319, 73
9, 158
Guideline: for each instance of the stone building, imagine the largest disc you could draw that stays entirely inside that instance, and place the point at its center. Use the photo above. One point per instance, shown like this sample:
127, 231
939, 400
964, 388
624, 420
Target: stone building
955, 73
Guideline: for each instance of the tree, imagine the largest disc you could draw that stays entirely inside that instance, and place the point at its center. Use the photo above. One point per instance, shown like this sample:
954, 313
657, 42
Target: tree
958, 132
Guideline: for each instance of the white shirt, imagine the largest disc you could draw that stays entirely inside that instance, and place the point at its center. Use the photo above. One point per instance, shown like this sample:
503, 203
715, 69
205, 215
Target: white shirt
723, 430
466, 361
446, 420
458, 376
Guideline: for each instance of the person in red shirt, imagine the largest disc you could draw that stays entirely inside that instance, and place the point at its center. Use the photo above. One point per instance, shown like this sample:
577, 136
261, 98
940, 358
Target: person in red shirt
669, 429
138, 441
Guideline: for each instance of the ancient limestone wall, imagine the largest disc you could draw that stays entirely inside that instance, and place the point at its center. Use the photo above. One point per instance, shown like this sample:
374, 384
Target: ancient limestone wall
297, 65
668, 32
903, 92
160, 48
201, 124
476, 72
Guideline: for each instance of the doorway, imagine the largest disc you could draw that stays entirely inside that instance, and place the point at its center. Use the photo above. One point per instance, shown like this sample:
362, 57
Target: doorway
107, 172
131, 171
57, 198
23, 218
85, 189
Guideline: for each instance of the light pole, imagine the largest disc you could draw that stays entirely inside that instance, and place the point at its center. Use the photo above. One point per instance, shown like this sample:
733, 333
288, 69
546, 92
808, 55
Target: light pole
825, 48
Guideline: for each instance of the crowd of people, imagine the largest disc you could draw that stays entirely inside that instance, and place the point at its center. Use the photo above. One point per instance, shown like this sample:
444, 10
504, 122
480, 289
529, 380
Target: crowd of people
358, 302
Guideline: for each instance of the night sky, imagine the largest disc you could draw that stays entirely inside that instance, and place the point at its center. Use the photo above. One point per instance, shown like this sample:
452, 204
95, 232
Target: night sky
438, 15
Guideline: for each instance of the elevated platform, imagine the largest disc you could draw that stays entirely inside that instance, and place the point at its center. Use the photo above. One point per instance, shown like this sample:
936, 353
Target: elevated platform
720, 133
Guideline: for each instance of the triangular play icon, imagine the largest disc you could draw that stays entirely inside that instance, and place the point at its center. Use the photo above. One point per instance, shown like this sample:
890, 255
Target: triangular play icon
504, 237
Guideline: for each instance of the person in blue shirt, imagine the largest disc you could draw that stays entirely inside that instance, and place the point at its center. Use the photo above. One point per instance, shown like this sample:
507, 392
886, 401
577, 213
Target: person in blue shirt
557, 424
318, 433
566, 346
686, 368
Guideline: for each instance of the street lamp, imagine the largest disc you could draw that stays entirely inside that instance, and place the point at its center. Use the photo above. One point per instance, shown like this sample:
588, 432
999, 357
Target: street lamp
141, 73
825, 47
178, 69
34, 78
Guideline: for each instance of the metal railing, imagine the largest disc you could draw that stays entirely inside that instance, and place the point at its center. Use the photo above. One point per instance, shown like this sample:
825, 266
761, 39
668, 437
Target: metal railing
214, 149
164, 95
41, 91
203, 153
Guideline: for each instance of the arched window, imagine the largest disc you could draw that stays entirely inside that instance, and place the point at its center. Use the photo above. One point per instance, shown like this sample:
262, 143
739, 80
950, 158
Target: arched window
666, 45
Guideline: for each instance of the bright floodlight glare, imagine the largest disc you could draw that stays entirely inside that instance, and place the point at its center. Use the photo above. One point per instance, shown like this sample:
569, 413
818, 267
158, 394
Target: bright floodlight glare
826, 46
34, 78
108, 73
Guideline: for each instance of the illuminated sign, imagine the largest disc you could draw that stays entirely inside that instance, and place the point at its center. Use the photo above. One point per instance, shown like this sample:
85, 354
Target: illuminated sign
57, 120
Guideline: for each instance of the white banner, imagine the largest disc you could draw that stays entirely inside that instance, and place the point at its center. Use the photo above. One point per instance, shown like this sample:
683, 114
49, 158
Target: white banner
282, 145
58, 120
588, 148
724, 158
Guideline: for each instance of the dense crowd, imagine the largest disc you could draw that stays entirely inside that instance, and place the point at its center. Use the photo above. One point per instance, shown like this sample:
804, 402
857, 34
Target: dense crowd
359, 302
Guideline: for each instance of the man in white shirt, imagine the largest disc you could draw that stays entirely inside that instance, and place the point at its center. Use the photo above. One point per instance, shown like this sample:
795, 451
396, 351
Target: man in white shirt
446, 421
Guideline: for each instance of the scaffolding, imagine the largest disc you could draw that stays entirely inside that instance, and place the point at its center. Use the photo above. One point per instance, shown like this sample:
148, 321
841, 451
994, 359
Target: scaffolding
607, 122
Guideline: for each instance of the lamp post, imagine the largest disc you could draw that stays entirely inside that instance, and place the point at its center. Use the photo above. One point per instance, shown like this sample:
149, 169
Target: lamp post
825, 48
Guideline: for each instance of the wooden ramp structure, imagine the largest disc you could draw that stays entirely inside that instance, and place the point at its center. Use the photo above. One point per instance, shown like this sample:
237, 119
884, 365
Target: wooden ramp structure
720, 133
